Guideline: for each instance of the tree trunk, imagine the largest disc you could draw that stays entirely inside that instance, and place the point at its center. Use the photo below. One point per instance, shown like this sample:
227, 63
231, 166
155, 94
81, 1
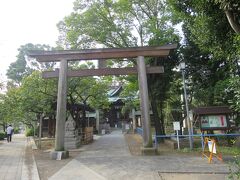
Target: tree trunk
232, 21
157, 124
84, 123
162, 119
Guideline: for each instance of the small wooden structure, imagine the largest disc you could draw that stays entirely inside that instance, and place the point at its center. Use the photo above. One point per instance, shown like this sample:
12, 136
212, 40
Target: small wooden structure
87, 135
210, 119
213, 117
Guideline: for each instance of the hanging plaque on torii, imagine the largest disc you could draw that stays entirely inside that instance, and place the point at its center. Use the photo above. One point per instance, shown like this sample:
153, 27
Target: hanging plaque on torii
102, 54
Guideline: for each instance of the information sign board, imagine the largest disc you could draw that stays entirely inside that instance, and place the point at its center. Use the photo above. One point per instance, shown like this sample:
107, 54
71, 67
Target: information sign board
176, 126
213, 122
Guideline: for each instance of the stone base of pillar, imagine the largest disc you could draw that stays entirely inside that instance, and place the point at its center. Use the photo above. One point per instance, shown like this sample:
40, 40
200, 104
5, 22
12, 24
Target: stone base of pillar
59, 155
149, 151
72, 142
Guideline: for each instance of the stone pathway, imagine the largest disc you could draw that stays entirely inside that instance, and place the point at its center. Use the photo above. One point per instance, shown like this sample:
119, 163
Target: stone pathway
16, 160
109, 158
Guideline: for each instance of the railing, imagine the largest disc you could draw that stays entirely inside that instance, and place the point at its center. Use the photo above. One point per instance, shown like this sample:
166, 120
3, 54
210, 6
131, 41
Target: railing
155, 137
194, 135
139, 131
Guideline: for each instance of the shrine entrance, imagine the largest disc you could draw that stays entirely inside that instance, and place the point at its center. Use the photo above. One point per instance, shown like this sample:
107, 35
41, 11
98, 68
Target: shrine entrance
100, 54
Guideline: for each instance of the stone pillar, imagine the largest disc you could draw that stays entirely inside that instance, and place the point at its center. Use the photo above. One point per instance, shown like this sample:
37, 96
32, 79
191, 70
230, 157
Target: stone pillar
72, 139
97, 121
134, 120
61, 106
144, 102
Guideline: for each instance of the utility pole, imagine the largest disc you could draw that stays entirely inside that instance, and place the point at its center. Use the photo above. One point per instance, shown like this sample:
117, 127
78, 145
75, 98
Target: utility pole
190, 132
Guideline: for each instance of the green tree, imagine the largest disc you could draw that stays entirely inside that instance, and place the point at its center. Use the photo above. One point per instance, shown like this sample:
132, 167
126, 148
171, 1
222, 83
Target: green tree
210, 53
37, 96
88, 91
122, 24
232, 12
27, 102
2, 111
115, 23
129, 94
24, 66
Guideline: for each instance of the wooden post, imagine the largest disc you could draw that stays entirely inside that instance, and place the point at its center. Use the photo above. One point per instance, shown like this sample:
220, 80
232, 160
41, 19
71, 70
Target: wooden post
61, 106
144, 102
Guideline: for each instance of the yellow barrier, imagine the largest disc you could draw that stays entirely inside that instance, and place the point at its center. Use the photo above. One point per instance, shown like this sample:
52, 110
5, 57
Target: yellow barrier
212, 150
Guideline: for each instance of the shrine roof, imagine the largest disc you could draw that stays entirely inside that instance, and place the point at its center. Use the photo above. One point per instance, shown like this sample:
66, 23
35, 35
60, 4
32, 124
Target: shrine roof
212, 110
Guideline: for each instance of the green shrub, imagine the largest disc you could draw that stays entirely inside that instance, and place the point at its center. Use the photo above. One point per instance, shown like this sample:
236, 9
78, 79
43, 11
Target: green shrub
29, 132
16, 130
235, 169
2, 135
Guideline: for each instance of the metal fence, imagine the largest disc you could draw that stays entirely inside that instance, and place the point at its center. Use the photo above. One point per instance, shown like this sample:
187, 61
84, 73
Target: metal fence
202, 136
139, 131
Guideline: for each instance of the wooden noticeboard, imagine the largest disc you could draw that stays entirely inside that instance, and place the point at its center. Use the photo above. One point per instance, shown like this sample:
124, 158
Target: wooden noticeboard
213, 117
213, 122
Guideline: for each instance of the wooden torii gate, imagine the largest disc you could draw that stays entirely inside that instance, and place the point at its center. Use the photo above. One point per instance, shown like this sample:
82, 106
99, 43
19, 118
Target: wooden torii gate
99, 54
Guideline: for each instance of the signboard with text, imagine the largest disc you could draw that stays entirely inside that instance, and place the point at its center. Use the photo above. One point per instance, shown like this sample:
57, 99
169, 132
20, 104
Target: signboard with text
214, 122
176, 126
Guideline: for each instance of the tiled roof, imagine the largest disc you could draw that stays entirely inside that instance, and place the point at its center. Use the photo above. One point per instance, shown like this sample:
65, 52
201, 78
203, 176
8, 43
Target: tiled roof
115, 91
212, 110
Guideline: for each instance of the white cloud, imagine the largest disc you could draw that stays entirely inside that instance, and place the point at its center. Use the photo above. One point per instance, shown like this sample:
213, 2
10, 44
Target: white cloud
29, 21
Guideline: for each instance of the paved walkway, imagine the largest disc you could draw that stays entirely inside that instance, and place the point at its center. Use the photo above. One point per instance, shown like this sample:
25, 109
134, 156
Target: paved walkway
16, 160
108, 158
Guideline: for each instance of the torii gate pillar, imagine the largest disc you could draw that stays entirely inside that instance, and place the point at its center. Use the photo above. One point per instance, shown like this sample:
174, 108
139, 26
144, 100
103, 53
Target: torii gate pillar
144, 102
61, 112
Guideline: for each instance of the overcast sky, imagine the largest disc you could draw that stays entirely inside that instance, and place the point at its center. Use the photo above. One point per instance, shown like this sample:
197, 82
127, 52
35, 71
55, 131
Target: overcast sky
28, 21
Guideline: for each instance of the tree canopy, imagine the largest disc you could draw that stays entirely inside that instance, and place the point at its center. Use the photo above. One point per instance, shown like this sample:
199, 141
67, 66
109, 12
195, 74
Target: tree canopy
29, 95
123, 24
24, 66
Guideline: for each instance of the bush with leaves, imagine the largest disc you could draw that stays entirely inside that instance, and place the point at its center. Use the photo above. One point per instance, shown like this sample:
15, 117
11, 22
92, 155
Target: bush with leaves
235, 168
29, 132
2, 135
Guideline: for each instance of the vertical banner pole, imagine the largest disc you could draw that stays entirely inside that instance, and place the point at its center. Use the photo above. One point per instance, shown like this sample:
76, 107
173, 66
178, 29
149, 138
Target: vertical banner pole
178, 141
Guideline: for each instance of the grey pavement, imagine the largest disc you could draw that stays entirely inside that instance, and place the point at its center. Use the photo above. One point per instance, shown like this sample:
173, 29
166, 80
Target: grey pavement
16, 160
109, 158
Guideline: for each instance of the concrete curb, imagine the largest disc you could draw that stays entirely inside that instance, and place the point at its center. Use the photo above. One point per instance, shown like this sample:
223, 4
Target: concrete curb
33, 144
29, 167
